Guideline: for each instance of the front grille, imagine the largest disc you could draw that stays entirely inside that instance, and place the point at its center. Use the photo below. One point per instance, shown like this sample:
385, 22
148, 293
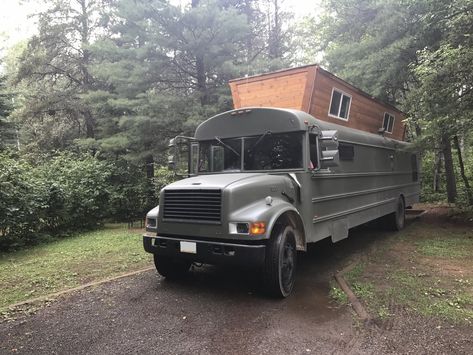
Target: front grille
193, 205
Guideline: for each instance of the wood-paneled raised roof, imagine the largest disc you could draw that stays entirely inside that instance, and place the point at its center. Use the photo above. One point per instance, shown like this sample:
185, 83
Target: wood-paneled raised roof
309, 89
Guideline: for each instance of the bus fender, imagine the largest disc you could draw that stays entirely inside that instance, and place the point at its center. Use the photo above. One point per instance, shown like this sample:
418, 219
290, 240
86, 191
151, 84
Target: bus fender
293, 217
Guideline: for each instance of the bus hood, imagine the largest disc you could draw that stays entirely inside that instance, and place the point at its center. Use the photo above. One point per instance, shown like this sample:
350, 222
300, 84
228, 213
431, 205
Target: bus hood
216, 181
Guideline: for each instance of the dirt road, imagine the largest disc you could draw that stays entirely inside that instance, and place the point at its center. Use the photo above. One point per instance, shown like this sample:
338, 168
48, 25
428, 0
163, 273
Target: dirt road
217, 311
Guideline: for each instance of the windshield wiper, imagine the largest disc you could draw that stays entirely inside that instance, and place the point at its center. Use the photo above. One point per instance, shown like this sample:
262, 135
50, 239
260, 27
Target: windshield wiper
226, 145
268, 132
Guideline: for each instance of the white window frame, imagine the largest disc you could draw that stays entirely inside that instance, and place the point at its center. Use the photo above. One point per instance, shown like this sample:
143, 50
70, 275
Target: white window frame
343, 93
394, 120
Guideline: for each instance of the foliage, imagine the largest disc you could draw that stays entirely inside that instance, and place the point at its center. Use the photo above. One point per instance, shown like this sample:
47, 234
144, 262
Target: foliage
78, 191
22, 201
56, 196
7, 128
337, 294
52, 74
163, 177
432, 193
429, 193
111, 76
128, 200
417, 54
67, 192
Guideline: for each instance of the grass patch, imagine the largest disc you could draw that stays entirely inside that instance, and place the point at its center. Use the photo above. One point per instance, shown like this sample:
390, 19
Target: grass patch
355, 272
427, 268
451, 247
363, 290
337, 294
66, 263
429, 297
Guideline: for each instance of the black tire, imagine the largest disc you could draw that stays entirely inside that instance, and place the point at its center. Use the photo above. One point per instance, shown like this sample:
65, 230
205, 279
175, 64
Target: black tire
171, 268
280, 263
397, 220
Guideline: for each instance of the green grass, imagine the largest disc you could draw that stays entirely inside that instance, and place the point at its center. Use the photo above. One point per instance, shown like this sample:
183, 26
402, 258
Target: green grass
447, 247
408, 269
432, 296
337, 294
355, 272
69, 262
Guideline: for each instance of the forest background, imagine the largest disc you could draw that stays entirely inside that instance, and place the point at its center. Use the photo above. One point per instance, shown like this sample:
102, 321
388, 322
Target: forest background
89, 102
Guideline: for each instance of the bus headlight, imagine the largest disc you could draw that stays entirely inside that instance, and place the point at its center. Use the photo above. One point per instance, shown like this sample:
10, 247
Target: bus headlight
258, 228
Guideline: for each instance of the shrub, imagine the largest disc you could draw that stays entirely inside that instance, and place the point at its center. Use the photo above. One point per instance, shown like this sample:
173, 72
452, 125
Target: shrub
70, 192
78, 191
22, 201
129, 192
162, 177
62, 194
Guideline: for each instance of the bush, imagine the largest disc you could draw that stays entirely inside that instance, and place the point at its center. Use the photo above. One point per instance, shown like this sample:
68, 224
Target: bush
62, 194
70, 192
78, 189
162, 177
22, 201
129, 192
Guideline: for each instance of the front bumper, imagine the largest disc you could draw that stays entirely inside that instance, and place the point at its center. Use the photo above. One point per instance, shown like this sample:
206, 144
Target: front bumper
207, 252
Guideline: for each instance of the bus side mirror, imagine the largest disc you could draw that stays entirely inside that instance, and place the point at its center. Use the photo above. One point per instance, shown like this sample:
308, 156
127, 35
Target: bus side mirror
179, 156
171, 162
329, 155
172, 154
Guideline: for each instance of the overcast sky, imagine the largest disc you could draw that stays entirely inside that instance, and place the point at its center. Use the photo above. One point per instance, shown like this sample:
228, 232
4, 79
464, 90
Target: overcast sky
16, 25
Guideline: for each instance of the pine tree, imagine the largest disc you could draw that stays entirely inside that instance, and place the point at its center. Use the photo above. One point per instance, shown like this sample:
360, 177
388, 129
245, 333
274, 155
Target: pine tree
54, 72
166, 70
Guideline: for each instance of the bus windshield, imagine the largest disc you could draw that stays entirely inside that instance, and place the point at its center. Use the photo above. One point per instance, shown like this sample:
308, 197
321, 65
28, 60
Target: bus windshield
263, 152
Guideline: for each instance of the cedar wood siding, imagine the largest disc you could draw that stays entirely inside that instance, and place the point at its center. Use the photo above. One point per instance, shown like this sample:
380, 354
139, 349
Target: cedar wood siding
309, 89
271, 90
366, 113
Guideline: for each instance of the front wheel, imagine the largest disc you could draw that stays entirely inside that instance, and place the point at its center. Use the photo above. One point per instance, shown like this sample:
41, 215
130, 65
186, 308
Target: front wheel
280, 264
171, 268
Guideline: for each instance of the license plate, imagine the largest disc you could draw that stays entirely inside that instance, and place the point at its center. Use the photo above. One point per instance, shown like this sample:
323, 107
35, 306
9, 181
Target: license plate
189, 247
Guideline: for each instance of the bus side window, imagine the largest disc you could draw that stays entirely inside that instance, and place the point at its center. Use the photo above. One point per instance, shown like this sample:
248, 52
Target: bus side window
346, 151
313, 151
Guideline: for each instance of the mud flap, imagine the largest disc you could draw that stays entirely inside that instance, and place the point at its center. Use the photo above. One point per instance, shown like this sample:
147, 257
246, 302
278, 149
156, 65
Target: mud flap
339, 230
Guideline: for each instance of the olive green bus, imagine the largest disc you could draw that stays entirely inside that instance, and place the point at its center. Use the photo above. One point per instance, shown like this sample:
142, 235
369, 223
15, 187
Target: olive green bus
264, 182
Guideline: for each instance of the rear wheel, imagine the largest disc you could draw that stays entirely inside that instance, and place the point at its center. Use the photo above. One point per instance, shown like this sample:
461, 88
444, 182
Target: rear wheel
280, 264
171, 268
397, 219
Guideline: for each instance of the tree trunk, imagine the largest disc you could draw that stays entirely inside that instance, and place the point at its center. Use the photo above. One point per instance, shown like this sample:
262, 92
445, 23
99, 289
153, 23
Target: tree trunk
437, 170
84, 63
201, 82
89, 124
449, 171
149, 161
469, 193
200, 71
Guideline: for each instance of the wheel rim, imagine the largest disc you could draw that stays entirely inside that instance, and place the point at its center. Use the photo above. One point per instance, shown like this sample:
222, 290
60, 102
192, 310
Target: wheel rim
287, 266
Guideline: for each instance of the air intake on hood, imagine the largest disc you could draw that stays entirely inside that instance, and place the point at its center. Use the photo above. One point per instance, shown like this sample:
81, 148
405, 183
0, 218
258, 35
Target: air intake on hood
193, 205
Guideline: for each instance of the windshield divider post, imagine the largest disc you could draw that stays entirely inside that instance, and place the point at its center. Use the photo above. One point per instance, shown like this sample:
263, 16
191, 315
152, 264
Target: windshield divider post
242, 155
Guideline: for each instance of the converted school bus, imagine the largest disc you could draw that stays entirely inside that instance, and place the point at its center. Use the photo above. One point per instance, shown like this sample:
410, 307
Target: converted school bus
321, 94
264, 182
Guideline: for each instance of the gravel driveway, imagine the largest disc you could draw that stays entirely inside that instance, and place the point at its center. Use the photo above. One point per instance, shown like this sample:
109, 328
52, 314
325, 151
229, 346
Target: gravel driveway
220, 311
